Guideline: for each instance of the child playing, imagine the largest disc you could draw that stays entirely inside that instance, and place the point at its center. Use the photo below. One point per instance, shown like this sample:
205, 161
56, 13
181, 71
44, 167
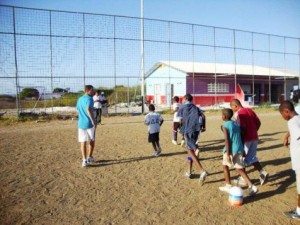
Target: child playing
233, 152
176, 119
154, 120
199, 129
189, 114
288, 113
249, 123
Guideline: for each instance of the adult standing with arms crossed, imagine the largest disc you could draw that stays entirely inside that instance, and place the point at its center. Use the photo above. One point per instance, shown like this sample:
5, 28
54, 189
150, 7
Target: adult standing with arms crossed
86, 125
249, 124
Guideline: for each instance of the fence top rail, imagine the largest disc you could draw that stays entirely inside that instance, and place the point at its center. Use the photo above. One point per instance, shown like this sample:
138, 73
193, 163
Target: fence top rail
192, 24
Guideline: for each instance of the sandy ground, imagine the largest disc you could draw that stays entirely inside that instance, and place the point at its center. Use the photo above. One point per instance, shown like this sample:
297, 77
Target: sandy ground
42, 181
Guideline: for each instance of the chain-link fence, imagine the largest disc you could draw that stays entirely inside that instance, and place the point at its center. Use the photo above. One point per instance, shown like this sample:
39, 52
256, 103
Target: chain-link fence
47, 56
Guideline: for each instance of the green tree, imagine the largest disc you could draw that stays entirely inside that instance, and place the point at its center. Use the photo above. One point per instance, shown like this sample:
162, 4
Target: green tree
29, 93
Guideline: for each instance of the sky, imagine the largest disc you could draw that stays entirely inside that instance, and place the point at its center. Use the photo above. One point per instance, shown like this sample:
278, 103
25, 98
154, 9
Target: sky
278, 17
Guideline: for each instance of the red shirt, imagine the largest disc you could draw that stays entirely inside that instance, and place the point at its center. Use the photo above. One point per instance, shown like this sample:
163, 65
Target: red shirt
248, 121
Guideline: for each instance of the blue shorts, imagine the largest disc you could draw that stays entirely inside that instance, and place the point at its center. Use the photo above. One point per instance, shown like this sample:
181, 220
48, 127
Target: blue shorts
191, 139
250, 149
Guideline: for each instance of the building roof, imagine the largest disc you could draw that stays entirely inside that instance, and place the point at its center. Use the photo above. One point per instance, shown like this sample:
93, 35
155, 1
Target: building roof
224, 69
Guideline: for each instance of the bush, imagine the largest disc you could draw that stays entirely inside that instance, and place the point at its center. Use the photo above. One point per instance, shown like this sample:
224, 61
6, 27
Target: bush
60, 90
29, 93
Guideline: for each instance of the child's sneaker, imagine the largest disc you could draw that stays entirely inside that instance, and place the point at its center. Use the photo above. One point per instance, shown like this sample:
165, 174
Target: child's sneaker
91, 160
240, 182
263, 177
203, 175
252, 190
174, 142
182, 143
158, 152
225, 188
188, 174
292, 214
197, 152
85, 163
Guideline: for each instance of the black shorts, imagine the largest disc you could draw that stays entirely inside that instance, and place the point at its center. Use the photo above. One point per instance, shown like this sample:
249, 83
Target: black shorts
176, 126
153, 137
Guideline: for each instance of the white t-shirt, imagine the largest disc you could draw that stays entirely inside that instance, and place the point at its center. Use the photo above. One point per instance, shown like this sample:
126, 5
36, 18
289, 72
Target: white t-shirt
153, 120
294, 129
97, 105
101, 98
176, 118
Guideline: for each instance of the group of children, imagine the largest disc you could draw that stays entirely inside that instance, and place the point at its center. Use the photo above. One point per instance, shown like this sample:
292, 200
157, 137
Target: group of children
240, 130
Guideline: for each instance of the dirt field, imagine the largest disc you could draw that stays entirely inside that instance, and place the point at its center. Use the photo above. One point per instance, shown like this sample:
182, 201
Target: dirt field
42, 181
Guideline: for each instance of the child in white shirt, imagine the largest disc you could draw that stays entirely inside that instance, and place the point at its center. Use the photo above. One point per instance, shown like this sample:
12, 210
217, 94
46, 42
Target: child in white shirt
288, 113
154, 120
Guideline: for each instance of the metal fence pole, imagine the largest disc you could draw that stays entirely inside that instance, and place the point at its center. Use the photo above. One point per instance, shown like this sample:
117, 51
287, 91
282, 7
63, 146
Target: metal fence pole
16, 65
193, 55
299, 64
115, 67
83, 42
142, 57
234, 52
215, 54
252, 59
51, 59
269, 40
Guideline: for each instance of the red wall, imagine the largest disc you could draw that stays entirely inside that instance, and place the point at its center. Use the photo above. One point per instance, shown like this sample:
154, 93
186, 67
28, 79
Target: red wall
207, 100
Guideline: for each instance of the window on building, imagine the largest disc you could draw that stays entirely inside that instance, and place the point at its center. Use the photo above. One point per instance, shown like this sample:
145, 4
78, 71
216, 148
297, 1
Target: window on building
217, 87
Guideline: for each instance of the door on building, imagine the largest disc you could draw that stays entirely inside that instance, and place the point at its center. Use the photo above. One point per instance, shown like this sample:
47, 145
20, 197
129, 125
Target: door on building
276, 91
157, 94
257, 93
169, 93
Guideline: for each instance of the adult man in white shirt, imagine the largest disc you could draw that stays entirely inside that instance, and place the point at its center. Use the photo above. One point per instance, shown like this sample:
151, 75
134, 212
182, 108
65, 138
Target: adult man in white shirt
97, 107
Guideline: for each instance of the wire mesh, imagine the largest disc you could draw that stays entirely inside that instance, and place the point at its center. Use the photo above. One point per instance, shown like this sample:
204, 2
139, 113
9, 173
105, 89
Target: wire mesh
47, 56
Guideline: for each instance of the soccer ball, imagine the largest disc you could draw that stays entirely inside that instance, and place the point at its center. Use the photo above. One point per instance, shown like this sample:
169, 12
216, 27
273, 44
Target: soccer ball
235, 196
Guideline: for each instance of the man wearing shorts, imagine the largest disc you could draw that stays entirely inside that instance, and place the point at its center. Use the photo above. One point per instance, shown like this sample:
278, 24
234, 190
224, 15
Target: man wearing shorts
249, 124
189, 114
86, 125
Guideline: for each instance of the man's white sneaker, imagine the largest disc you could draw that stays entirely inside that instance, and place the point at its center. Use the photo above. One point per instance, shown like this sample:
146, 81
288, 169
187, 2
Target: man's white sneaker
174, 142
252, 190
225, 188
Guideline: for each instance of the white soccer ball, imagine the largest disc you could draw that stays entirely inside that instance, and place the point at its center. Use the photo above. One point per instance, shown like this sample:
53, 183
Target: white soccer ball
235, 196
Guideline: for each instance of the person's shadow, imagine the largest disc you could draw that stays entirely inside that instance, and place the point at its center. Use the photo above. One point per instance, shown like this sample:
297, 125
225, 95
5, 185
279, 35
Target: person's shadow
101, 163
285, 179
